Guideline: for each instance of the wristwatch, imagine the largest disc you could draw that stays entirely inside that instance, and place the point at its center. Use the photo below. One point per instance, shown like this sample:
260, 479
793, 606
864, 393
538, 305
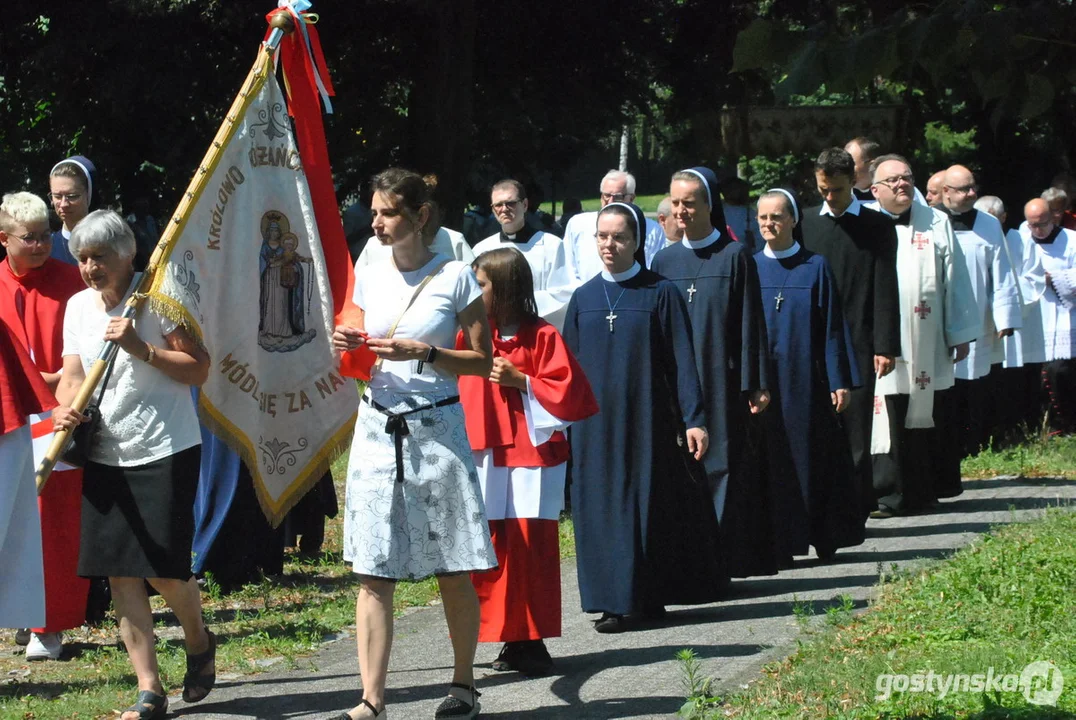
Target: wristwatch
431, 355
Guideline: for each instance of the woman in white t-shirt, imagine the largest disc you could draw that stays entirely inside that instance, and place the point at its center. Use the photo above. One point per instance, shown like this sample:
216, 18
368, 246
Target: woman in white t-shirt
414, 505
139, 483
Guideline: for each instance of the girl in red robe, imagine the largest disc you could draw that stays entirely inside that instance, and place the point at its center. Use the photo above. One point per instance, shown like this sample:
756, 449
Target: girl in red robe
515, 423
34, 289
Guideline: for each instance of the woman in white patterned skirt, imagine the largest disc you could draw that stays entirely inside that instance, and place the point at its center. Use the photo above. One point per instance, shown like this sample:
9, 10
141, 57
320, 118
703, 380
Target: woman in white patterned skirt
414, 505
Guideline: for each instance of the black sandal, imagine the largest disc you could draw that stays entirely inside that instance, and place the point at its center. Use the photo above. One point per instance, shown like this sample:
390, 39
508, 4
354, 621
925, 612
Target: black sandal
149, 706
453, 707
347, 716
194, 681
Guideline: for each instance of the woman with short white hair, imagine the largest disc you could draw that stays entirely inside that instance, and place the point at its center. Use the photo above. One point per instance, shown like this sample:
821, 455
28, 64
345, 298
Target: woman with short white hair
142, 470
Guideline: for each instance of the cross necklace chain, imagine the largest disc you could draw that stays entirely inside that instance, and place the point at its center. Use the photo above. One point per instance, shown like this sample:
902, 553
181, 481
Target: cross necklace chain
692, 289
612, 305
780, 296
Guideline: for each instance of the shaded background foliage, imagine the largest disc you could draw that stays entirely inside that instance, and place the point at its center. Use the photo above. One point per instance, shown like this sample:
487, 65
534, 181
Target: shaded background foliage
541, 91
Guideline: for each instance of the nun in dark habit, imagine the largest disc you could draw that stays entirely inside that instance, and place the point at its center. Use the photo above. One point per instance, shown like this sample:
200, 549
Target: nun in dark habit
645, 531
815, 370
718, 277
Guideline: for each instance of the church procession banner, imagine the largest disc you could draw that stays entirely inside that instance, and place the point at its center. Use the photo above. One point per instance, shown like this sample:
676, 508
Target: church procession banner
250, 278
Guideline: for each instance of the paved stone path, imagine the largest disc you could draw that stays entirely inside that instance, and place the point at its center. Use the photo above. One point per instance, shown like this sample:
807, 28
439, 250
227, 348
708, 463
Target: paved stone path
634, 674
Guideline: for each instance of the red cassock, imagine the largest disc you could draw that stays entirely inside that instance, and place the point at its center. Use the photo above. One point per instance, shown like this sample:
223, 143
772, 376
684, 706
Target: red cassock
22, 390
520, 599
32, 306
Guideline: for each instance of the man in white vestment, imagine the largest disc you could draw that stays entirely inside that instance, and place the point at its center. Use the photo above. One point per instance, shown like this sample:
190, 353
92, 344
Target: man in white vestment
580, 247
1019, 392
938, 319
997, 299
1058, 251
544, 251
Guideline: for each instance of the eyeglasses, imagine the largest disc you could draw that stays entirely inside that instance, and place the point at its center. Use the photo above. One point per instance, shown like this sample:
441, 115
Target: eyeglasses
71, 198
505, 204
614, 197
1041, 225
893, 181
42, 237
964, 189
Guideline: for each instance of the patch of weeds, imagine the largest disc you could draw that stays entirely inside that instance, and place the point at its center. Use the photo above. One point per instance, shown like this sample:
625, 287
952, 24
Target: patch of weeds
696, 686
841, 612
803, 612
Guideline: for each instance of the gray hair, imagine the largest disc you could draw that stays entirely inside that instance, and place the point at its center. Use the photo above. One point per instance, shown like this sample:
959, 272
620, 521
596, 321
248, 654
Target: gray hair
627, 177
990, 204
665, 206
1054, 193
103, 228
891, 157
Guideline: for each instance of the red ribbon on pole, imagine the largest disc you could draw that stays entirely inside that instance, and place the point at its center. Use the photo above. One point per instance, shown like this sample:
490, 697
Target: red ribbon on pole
301, 70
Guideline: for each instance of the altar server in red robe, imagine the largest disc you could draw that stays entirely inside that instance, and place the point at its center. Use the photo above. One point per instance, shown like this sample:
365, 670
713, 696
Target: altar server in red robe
34, 289
515, 423
22, 393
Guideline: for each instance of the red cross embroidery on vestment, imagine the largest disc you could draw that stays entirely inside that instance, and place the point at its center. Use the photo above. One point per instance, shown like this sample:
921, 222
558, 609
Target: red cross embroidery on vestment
878, 404
923, 380
922, 309
920, 240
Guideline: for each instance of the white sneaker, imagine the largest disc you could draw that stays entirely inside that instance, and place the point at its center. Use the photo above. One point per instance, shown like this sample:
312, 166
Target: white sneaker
45, 646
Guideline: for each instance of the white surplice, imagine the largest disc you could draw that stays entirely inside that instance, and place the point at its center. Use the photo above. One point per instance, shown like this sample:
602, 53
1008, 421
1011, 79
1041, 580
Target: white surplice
994, 286
937, 312
1026, 345
581, 247
1058, 302
552, 280
22, 574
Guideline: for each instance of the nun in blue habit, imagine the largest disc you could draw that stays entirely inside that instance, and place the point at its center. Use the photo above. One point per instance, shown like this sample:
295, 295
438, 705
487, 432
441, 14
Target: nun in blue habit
646, 535
815, 369
718, 277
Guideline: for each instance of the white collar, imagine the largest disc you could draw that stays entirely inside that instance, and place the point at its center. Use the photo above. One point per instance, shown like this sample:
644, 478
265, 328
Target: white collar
704, 243
65, 232
852, 209
781, 254
628, 274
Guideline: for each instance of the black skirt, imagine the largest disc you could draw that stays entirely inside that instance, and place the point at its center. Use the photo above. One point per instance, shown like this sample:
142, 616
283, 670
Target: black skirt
139, 521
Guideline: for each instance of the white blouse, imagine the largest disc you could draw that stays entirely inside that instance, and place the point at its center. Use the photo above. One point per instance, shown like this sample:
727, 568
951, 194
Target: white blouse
145, 415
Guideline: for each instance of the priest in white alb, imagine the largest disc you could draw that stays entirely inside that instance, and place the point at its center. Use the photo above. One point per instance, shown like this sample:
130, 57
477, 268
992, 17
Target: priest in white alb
938, 321
580, 250
544, 251
1058, 250
1019, 392
997, 301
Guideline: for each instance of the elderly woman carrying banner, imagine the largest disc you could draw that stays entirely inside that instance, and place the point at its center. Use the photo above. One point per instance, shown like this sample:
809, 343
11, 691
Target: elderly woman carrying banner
139, 483
414, 505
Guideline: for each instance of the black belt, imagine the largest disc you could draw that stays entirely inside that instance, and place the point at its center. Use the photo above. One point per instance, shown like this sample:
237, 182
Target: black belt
396, 425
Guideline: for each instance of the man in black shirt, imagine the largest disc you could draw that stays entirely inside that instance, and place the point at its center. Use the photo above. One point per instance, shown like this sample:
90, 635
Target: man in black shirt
860, 245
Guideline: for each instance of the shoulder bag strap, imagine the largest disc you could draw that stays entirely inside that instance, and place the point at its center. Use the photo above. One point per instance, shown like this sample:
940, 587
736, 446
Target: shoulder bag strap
414, 296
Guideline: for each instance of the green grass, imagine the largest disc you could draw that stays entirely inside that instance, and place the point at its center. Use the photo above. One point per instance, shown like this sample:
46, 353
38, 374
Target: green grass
1003, 602
1040, 456
278, 622
647, 203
